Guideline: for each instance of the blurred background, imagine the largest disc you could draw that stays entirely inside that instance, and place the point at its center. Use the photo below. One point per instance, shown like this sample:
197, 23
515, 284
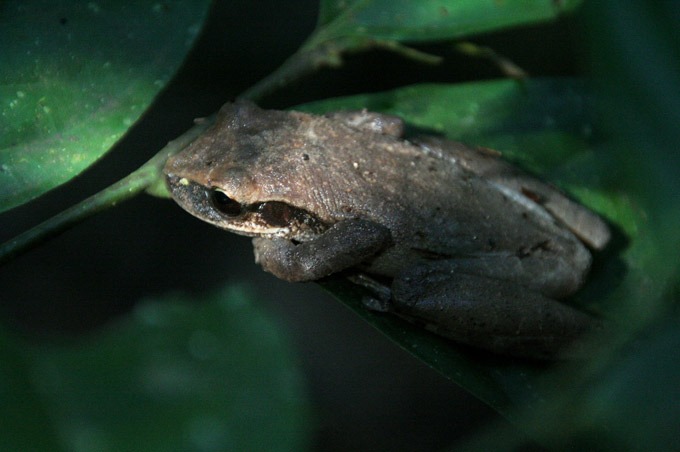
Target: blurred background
365, 392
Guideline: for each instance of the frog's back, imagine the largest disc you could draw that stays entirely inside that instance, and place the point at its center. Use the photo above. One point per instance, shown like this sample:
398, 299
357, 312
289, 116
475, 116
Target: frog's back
422, 194
439, 198
438, 208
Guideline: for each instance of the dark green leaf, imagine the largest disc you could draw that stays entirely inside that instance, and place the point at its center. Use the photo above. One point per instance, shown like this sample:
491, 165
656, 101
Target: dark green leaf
637, 62
74, 76
636, 402
632, 400
215, 376
24, 420
408, 20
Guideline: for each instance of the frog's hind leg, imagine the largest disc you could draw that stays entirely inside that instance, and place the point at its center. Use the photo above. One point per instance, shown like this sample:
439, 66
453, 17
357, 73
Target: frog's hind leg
490, 314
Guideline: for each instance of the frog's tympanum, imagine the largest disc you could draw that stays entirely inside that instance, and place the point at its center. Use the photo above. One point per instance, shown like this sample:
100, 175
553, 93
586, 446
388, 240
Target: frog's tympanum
448, 236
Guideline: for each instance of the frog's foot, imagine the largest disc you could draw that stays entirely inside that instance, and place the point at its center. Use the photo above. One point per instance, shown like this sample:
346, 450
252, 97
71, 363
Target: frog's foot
492, 314
380, 296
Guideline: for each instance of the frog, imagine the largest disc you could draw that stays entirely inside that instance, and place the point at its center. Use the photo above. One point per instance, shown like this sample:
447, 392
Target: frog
448, 236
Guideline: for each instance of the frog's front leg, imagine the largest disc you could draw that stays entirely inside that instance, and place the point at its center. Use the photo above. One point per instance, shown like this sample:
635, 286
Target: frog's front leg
345, 244
492, 314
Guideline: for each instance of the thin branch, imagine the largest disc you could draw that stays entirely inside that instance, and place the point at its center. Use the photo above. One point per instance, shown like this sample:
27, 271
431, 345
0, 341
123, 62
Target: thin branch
312, 57
505, 64
124, 189
300, 64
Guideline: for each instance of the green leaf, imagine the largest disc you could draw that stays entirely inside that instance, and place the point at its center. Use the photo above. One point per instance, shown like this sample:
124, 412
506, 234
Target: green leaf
148, 176
636, 403
418, 21
171, 376
637, 75
25, 423
543, 125
632, 400
353, 26
631, 403
75, 76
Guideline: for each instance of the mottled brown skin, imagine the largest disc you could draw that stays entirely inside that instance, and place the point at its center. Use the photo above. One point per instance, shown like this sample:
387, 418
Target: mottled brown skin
476, 249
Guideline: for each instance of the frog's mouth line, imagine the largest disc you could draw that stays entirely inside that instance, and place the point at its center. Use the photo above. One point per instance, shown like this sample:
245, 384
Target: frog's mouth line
254, 229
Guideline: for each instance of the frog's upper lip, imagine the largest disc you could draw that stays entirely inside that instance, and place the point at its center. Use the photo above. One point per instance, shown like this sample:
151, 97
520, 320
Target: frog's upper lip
257, 231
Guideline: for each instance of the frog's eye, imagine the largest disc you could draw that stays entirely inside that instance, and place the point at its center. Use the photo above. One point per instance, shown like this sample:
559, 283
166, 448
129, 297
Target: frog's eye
224, 204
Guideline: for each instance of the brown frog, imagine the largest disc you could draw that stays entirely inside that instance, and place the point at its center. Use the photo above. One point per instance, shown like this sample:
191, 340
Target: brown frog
447, 235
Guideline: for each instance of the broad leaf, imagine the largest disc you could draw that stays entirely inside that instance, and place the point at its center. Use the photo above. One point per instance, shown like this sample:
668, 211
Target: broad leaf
417, 21
171, 377
74, 76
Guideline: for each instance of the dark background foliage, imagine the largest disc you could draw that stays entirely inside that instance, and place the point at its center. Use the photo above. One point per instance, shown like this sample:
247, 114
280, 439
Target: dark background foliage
366, 393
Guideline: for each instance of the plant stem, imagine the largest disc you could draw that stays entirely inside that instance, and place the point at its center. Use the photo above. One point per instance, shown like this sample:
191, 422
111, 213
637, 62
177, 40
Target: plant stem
312, 57
299, 64
124, 189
